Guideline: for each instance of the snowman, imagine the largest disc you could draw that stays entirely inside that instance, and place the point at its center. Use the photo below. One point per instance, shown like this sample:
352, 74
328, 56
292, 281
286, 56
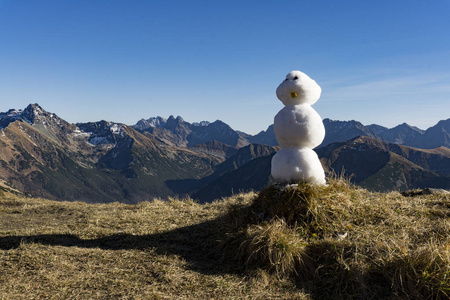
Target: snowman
298, 129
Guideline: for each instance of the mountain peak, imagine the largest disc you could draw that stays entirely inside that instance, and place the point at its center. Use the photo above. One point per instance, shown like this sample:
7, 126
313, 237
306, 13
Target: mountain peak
173, 123
220, 125
343, 124
153, 122
34, 106
443, 123
406, 125
31, 112
201, 124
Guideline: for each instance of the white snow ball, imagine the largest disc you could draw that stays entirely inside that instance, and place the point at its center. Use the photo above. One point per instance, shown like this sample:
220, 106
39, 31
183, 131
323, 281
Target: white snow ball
298, 88
297, 164
298, 126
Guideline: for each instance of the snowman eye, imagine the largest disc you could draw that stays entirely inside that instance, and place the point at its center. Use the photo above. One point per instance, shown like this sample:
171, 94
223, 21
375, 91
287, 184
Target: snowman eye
296, 77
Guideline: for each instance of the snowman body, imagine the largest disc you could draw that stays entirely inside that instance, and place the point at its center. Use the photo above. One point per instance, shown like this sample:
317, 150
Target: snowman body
298, 126
297, 164
298, 129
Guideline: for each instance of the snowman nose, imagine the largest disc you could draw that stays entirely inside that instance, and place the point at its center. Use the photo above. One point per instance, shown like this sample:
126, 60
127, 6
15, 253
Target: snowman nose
293, 94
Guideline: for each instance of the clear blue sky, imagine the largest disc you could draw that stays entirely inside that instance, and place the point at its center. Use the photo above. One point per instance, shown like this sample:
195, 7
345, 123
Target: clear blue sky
384, 62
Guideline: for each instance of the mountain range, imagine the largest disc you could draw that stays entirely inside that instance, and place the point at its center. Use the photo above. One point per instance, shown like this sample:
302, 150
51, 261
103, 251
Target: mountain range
177, 132
403, 134
43, 155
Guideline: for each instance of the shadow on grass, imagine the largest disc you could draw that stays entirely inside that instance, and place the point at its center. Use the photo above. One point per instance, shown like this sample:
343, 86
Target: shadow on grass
198, 244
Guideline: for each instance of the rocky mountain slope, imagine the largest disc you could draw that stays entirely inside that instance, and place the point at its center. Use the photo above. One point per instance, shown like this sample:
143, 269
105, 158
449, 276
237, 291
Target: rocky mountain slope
383, 166
43, 155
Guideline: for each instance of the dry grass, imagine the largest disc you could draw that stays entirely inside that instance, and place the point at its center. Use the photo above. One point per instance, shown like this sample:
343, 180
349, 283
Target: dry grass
153, 250
343, 242
295, 242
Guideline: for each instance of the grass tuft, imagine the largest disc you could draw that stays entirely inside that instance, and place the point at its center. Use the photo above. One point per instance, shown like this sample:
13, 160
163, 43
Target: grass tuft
275, 246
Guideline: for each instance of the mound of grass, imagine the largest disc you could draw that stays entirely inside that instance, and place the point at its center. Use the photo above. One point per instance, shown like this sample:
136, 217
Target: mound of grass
340, 241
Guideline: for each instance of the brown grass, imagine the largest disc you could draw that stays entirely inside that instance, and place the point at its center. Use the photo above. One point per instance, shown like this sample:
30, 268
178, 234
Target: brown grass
295, 242
153, 250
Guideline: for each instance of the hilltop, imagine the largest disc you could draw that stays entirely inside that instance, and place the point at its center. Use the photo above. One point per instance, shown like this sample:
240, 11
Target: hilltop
292, 242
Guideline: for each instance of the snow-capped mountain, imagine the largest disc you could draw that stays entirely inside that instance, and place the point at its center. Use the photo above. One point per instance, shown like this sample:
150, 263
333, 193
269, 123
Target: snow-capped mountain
35, 115
159, 122
154, 122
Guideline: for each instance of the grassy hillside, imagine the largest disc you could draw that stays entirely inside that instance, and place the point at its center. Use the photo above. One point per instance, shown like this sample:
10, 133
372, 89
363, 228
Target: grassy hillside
296, 242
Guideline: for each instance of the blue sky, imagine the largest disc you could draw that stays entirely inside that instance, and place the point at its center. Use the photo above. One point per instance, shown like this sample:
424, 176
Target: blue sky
384, 62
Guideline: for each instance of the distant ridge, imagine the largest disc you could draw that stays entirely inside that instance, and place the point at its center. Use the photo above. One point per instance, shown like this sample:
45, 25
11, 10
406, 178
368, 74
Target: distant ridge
403, 134
381, 166
176, 131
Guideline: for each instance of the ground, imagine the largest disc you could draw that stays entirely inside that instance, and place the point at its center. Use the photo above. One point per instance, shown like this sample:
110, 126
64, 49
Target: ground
332, 241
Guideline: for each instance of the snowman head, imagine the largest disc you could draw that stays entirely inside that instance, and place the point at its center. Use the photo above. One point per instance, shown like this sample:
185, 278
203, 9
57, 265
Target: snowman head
298, 88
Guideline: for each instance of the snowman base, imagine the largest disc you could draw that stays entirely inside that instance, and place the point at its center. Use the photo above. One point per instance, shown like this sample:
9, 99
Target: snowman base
297, 165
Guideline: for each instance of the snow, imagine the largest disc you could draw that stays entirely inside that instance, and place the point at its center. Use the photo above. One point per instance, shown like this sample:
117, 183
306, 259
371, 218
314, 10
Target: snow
201, 124
157, 122
55, 118
298, 129
11, 115
98, 140
115, 128
298, 126
306, 89
78, 132
95, 140
297, 164
37, 110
